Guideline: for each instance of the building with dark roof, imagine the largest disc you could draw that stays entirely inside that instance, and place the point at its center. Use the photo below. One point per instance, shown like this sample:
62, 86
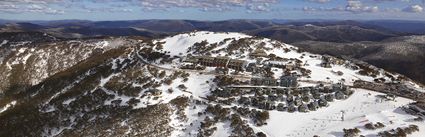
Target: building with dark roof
288, 81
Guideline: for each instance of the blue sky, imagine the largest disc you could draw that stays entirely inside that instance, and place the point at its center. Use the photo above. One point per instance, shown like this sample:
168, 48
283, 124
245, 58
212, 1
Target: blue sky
211, 9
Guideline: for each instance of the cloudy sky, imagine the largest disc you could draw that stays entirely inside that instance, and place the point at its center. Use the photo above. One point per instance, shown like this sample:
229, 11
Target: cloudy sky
211, 9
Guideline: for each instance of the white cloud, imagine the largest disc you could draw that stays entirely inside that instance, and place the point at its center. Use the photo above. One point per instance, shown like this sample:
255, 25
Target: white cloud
62, 6
414, 8
220, 5
319, 1
29, 6
205, 5
357, 6
353, 6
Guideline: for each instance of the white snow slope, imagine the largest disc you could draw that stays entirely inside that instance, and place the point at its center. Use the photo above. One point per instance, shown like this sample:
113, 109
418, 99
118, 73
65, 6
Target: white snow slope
360, 108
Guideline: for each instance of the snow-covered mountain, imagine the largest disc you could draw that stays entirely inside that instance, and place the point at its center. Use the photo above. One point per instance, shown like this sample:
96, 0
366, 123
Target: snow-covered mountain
194, 84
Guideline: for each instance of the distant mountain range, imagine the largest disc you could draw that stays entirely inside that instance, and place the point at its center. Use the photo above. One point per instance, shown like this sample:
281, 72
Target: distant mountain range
398, 26
357, 39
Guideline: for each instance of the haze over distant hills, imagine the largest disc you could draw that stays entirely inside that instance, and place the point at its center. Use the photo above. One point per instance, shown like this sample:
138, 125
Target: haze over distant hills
172, 26
329, 34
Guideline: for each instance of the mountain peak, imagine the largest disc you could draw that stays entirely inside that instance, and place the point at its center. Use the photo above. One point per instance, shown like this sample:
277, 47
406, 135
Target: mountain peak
191, 84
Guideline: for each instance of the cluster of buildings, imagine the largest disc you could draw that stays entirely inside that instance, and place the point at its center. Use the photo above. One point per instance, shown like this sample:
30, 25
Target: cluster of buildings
395, 89
302, 99
240, 65
283, 81
223, 62
289, 65
258, 53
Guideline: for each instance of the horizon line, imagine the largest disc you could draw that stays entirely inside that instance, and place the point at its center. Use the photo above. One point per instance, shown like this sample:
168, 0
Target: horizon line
20, 20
